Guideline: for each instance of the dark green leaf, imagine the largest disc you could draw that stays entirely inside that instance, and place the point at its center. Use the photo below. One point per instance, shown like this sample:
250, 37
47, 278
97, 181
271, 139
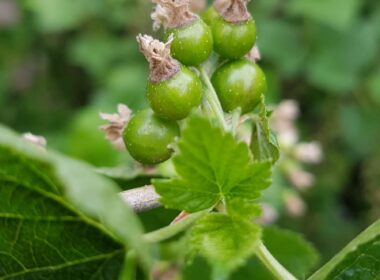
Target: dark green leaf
338, 14
58, 219
360, 259
211, 165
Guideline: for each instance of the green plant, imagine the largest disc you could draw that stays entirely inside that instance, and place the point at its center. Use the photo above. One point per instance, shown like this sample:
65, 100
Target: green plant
61, 220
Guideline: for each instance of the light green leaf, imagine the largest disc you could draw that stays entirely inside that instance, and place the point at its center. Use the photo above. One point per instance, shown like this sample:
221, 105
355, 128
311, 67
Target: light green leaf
62, 15
211, 165
224, 241
360, 259
59, 219
296, 254
264, 144
291, 250
337, 14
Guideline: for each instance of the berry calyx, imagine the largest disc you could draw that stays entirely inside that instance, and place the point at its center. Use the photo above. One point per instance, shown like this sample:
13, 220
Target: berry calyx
161, 65
234, 11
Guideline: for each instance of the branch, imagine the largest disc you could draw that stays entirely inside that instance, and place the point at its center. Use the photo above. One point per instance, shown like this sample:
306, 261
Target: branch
141, 199
277, 270
173, 229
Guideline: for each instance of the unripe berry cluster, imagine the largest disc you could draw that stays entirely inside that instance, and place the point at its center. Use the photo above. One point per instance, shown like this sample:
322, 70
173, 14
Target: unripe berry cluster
174, 87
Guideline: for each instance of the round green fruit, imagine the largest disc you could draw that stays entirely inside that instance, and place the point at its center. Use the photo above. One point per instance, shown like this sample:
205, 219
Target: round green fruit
173, 99
147, 137
239, 83
233, 40
192, 43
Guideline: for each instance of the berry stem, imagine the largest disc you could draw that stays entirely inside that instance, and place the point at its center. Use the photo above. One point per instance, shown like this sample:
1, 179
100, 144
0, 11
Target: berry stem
278, 271
212, 98
235, 118
173, 229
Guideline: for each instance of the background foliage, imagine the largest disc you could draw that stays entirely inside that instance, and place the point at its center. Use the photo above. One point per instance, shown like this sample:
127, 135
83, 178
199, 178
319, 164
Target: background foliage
61, 62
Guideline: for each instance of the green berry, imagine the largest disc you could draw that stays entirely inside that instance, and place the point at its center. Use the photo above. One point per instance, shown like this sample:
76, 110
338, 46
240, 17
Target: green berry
239, 83
192, 43
147, 137
233, 40
173, 99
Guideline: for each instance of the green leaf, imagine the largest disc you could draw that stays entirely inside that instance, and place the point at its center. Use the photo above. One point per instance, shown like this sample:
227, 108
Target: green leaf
61, 15
59, 219
291, 250
337, 14
224, 241
264, 144
360, 259
296, 254
211, 165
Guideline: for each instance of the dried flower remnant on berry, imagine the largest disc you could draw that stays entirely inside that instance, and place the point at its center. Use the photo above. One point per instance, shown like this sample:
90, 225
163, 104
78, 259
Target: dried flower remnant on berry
234, 11
254, 54
117, 123
172, 14
37, 140
162, 66
160, 17
197, 6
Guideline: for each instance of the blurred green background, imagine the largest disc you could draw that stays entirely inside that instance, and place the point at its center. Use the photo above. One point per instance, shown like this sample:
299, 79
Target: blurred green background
63, 61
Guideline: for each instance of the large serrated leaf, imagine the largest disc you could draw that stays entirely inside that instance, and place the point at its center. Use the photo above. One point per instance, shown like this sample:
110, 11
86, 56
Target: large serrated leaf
360, 259
58, 219
211, 165
224, 241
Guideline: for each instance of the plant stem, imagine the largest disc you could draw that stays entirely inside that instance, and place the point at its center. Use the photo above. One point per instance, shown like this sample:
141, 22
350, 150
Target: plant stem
173, 229
278, 271
141, 199
212, 98
235, 120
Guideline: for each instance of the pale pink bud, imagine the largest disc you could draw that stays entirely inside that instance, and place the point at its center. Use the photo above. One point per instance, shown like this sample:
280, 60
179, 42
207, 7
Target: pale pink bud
309, 152
268, 215
117, 122
254, 54
37, 140
287, 109
300, 179
9, 13
287, 137
294, 205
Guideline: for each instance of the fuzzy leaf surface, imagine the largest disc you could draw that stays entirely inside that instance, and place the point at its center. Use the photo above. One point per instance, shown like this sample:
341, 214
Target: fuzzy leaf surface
224, 241
58, 219
211, 165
